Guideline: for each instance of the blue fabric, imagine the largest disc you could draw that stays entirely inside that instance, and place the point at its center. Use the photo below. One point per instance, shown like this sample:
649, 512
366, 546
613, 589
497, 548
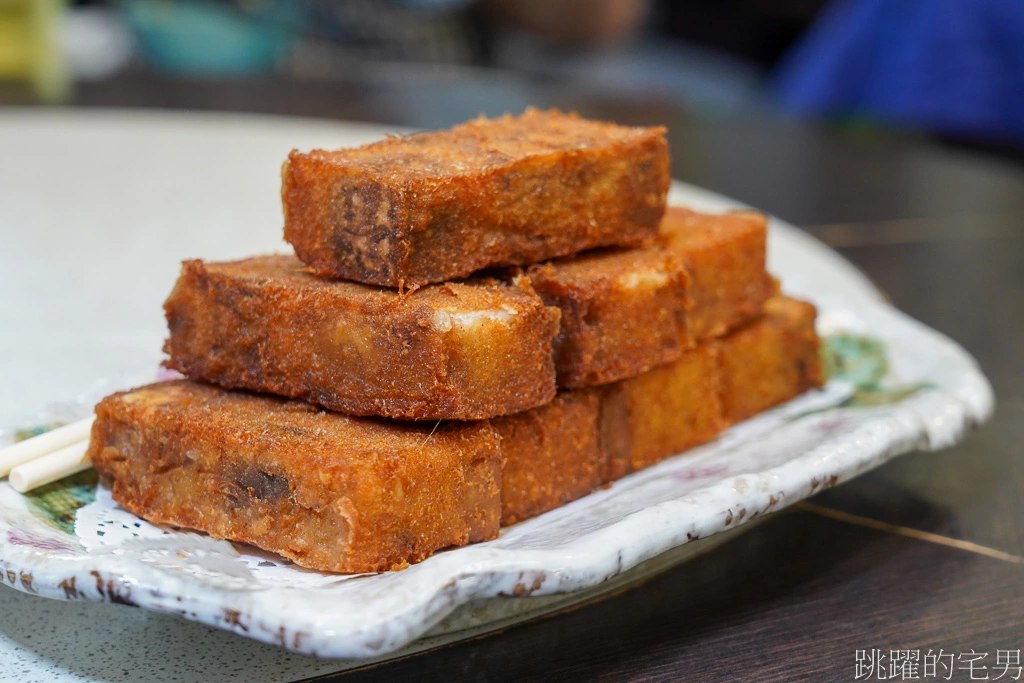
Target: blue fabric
949, 66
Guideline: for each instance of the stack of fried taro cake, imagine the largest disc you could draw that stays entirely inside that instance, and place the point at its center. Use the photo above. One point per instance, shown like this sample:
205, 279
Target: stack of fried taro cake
479, 325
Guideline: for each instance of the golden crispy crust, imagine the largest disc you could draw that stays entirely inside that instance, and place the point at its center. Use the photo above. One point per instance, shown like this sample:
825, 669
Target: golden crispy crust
330, 492
353, 494
662, 412
452, 351
627, 311
724, 255
623, 313
770, 360
686, 403
509, 191
552, 455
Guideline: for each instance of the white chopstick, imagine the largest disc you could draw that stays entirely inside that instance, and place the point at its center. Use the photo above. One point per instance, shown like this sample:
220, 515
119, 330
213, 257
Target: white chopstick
50, 467
38, 446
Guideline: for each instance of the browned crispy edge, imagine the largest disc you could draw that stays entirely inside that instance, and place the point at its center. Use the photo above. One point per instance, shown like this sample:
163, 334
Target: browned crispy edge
683, 404
552, 455
665, 411
608, 334
407, 232
562, 451
771, 359
729, 284
242, 335
179, 470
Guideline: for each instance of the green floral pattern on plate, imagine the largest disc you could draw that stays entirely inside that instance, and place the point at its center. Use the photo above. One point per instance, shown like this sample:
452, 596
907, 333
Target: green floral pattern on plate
58, 502
863, 362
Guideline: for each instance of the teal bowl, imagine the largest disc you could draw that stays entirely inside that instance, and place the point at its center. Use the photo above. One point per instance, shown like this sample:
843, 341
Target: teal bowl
213, 39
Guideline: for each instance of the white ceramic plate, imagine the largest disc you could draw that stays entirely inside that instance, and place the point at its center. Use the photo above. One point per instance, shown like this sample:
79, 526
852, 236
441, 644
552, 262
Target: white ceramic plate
97, 212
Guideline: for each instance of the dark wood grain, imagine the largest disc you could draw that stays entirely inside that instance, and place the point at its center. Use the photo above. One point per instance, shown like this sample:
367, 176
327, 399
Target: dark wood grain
791, 600
965, 278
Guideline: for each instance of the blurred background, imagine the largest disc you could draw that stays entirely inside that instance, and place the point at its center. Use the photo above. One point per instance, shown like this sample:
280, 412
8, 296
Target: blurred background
819, 111
951, 70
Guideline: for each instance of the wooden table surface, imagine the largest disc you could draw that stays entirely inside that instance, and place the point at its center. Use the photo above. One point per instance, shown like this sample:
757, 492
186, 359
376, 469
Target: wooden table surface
925, 553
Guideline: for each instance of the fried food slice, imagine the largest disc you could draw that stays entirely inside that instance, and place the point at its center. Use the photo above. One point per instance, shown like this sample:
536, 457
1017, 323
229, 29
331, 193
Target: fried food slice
431, 207
452, 351
724, 255
683, 404
665, 411
627, 311
564, 450
623, 313
331, 492
770, 360
552, 455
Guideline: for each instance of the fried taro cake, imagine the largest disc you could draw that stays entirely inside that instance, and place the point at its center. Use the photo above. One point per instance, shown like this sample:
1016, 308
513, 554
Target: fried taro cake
452, 351
330, 492
627, 311
430, 207
623, 313
724, 255
648, 418
552, 455
770, 360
